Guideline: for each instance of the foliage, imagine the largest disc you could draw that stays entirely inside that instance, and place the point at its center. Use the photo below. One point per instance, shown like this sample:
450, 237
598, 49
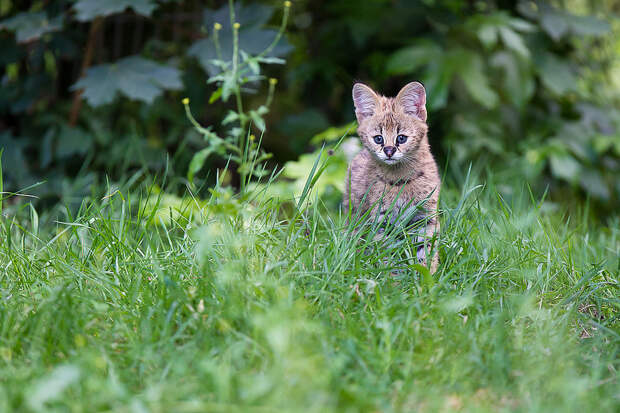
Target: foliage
134, 117
31, 26
511, 84
520, 81
239, 307
135, 77
87, 10
230, 75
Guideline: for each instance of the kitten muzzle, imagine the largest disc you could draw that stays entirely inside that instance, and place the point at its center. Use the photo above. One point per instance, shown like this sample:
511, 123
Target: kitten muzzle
389, 150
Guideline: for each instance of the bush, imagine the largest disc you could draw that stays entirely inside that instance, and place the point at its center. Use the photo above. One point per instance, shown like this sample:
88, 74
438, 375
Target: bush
518, 84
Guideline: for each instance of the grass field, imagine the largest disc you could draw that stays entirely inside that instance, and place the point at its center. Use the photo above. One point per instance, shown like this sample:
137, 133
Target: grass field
245, 305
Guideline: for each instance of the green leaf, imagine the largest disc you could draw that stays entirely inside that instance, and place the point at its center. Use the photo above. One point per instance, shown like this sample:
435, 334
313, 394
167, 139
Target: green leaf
251, 61
228, 85
487, 34
89, 9
564, 166
215, 95
230, 117
410, 59
253, 38
514, 41
333, 133
555, 24
14, 161
258, 120
272, 60
198, 161
425, 273
309, 177
254, 66
556, 75
31, 26
593, 183
521, 25
558, 23
518, 80
135, 77
589, 26
475, 80
72, 141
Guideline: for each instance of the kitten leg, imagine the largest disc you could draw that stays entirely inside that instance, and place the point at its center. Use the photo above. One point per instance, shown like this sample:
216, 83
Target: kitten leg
427, 244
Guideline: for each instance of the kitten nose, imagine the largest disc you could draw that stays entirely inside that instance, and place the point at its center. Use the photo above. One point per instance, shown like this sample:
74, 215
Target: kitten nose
389, 151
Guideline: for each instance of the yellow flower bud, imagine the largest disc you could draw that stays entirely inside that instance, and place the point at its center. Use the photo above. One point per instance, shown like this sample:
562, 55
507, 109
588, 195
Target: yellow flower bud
287, 4
236, 26
217, 26
252, 137
185, 101
273, 81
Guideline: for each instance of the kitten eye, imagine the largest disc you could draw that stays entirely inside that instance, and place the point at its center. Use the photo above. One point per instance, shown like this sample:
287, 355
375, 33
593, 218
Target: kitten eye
378, 139
401, 139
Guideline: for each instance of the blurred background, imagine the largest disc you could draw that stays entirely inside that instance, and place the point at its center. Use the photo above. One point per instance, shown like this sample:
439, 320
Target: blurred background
92, 90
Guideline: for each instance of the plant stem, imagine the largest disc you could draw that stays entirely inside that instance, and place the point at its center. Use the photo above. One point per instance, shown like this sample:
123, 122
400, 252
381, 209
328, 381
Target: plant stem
237, 86
216, 40
278, 35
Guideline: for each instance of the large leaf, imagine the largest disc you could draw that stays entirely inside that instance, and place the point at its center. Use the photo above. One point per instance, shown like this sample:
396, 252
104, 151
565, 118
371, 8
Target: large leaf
437, 80
593, 182
564, 166
72, 141
14, 164
558, 23
134, 77
489, 27
514, 41
555, 24
556, 75
89, 9
333, 175
31, 26
410, 59
198, 161
253, 38
475, 80
518, 79
589, 26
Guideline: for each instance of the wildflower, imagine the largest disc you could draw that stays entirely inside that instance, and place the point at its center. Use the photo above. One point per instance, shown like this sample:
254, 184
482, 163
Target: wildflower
185, 101
273, 81
217, 26
236, 26
287, 4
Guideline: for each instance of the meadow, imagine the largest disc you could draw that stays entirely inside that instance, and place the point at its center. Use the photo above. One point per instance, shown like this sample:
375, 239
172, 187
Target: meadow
250, 303
170, 232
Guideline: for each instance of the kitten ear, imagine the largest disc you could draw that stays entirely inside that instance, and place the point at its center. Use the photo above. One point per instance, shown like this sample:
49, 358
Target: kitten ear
412, 98
365, 101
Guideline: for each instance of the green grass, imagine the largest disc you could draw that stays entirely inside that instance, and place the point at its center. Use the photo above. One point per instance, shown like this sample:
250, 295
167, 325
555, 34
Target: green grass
232, 306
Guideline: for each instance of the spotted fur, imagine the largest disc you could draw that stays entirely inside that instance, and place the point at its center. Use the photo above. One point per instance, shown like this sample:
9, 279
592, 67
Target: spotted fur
386, 181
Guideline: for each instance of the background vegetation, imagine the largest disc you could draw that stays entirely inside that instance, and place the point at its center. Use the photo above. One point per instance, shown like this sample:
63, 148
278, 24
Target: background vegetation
531, 85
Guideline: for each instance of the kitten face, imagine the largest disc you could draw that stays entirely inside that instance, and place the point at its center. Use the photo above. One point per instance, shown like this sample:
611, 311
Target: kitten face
392, 137
391, 128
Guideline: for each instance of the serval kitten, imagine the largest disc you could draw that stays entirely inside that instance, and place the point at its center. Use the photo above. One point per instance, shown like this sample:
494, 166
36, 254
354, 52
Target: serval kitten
395, 171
